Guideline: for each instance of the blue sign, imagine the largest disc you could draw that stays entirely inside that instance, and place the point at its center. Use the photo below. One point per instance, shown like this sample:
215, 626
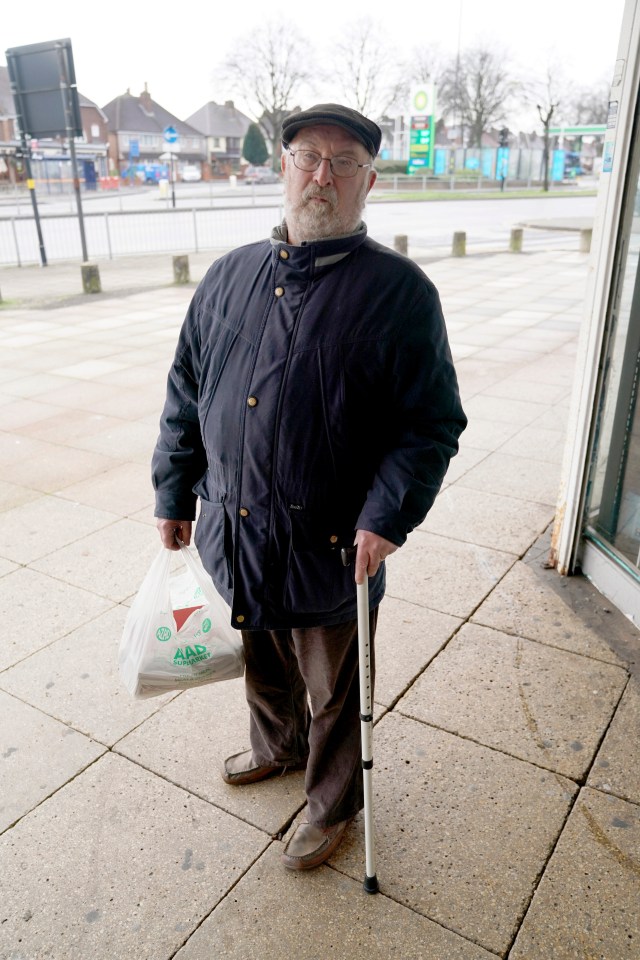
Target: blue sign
170, 135
557, 165
134, 148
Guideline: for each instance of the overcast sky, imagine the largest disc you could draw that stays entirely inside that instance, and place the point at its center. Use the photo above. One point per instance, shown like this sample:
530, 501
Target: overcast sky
176, 49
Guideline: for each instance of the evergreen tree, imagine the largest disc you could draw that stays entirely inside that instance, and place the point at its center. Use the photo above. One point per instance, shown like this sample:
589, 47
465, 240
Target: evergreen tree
254, 148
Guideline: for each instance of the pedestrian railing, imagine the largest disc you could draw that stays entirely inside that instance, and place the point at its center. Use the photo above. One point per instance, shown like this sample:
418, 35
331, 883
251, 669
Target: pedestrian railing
119, 234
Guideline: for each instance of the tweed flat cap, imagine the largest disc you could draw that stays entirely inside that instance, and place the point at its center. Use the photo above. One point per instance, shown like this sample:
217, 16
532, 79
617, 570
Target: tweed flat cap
365, 130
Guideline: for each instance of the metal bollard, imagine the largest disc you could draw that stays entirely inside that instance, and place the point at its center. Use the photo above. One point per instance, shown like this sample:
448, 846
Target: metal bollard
515, 243
585, 240
181, 268
91, 278
459, 248
401, 243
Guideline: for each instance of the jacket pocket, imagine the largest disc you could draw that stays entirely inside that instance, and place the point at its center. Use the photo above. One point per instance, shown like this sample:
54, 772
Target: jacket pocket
213, 541
316, 580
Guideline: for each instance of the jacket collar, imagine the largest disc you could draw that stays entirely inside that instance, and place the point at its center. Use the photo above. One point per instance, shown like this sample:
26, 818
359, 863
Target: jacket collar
320, 253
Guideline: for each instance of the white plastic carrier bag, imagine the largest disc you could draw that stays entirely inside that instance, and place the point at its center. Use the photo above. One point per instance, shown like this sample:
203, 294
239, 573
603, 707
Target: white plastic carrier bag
178, 633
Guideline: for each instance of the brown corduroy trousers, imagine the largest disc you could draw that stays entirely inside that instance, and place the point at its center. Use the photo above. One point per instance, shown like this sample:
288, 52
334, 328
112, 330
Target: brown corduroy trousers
282, 667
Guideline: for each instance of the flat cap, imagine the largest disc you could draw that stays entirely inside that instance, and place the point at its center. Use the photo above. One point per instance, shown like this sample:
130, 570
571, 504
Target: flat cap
365, 130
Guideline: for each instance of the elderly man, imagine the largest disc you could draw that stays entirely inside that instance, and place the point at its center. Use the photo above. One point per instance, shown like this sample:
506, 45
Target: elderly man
312, 404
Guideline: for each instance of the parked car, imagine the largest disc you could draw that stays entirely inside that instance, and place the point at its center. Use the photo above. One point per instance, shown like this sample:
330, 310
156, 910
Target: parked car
146, 172
260, 175
191, 173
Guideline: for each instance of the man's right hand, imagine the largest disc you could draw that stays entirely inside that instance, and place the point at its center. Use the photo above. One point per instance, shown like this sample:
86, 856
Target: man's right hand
171, 529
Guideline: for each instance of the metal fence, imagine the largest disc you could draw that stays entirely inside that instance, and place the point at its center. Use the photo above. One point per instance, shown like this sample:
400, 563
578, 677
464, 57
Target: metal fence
111, 235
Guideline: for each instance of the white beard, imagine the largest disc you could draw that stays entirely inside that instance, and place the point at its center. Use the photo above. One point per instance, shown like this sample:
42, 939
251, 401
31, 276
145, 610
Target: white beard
321, 221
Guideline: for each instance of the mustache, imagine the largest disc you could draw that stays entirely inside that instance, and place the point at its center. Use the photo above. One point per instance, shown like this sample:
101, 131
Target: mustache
327, 193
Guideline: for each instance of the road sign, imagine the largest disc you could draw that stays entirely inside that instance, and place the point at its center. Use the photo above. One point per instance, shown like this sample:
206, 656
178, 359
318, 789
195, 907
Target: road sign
170, 135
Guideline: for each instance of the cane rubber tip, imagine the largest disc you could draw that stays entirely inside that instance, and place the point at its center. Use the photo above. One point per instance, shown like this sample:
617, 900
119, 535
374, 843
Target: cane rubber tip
371, 884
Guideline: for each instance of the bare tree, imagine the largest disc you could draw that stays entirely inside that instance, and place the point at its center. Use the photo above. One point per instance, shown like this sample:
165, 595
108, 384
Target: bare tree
476, 88
270, 68
367, 69
550, 96
590, 104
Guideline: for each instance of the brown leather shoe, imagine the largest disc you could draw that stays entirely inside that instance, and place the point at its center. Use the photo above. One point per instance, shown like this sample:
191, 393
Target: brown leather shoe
310, 845
240, 769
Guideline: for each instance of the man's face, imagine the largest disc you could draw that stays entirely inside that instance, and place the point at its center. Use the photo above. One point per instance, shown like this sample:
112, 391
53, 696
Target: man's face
320, 205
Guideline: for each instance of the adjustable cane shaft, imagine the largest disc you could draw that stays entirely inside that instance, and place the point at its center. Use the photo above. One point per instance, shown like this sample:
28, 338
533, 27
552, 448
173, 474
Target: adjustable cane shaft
366, 722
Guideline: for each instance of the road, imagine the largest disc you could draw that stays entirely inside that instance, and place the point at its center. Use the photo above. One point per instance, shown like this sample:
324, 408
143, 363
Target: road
216, 217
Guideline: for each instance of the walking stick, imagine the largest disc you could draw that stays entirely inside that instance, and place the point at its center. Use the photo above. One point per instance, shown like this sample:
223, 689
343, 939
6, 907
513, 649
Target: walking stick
366, 721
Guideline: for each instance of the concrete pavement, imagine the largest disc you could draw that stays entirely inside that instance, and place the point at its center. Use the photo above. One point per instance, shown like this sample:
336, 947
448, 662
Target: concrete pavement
506, 748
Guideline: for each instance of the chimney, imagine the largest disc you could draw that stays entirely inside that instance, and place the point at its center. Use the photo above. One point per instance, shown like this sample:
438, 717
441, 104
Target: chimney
229, 104
145, 99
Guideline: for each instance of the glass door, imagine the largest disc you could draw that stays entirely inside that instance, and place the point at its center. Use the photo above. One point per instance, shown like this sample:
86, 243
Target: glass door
612, 518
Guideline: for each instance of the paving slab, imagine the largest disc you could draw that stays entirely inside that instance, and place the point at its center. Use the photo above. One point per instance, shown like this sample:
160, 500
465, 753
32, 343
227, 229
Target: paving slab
617, 766
446, 575
537, 443
187, 741
408, 636
488, 434
587, 903
540, 704
75, 680
111, 562
133, 441
123, 490
39, 610
465, 459
519, 412
525, 603
462, 831
118, 863
487, 519
327, 915
37, 756
35, 529
67, 425
59, 467
519, 387
516, 477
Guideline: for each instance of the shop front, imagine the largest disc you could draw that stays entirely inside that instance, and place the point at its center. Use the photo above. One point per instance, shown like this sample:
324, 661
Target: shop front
598, 523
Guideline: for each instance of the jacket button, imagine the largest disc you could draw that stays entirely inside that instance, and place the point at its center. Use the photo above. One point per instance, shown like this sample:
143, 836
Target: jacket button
279, 291
244, 512
333, 539
239, 618
252, 401
284, 254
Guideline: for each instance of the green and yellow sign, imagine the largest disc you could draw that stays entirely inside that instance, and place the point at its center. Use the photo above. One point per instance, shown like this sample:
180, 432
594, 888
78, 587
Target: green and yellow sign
422, 122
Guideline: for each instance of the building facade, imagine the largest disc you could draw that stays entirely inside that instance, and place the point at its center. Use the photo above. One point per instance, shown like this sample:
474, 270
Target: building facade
136, 134
225, 128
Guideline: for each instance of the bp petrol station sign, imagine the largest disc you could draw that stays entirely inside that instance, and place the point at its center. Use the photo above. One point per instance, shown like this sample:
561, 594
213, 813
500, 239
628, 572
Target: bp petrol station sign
422, 110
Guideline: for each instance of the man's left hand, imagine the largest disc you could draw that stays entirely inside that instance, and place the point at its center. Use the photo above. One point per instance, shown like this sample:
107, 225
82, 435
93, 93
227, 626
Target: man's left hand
372, 550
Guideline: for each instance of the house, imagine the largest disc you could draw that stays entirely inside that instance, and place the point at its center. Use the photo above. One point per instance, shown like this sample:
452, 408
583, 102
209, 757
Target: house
225, 128
136, 132
50, 159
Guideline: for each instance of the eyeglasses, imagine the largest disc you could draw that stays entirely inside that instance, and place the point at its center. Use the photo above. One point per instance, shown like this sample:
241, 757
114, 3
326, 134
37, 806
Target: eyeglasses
309, 161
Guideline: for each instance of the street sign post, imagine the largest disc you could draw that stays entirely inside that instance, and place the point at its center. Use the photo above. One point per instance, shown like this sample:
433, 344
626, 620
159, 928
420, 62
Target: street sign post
171, 139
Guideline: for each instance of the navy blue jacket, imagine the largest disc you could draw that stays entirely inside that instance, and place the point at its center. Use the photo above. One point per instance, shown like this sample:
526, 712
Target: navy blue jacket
312, 394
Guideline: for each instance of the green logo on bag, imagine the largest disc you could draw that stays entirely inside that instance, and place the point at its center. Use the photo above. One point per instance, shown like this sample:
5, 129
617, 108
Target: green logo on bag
206, 625
191, 655
163, 633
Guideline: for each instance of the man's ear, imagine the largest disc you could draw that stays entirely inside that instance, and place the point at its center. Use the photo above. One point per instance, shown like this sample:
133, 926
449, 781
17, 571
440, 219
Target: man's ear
283, 161
373, 176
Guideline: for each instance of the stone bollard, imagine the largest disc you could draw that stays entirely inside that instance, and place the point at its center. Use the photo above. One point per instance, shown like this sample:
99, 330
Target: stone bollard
91, 278
585, 240
181, 268
515, 243
459, 248
401, 243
